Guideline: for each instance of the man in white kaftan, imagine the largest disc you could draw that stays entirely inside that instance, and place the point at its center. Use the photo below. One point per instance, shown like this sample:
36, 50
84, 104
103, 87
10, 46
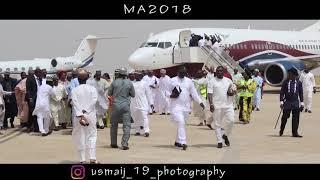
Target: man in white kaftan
139, 105
84, 98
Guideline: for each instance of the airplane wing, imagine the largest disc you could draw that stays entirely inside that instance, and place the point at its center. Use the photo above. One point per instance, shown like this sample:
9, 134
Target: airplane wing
310, 62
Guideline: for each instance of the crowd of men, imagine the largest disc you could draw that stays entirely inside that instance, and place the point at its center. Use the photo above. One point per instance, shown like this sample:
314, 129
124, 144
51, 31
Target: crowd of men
44, 103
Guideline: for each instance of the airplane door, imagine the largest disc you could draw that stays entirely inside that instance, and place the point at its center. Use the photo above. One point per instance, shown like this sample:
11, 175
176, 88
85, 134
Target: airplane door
184, 38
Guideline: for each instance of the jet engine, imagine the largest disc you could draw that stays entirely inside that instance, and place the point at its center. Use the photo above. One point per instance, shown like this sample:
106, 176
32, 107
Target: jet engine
276, 73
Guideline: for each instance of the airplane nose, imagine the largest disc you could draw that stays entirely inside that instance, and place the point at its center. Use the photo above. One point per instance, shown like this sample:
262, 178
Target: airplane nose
140, 59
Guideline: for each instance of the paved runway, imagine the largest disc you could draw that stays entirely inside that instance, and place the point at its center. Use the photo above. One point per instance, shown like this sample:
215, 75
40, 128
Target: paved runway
257, 142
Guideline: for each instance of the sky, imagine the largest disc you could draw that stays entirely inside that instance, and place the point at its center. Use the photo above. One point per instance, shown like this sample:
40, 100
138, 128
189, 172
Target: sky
28, 39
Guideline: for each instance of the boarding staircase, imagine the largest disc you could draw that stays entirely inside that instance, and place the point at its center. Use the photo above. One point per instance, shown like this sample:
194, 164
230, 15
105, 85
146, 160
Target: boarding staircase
210, 56
217, 56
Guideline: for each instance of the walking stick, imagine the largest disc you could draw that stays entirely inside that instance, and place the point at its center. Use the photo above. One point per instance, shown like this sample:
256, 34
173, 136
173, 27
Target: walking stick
278, 118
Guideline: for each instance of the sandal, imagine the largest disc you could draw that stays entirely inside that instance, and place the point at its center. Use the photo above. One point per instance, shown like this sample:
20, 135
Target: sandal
94, 162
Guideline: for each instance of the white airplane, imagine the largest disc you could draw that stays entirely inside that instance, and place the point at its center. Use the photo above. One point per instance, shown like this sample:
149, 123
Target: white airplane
272, 52
82, 58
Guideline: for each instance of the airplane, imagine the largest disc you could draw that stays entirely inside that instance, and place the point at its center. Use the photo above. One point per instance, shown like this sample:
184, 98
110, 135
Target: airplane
272, 52
82, 58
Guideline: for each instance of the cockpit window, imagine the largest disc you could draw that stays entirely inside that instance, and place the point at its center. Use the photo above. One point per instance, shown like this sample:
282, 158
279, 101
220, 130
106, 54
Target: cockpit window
151, 44
167, 44
161, 45
142, 45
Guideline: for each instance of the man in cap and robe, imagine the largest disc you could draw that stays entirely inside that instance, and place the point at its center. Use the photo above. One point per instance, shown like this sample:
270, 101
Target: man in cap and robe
164, 84
257, 93
101, 86
42, 109
56, 103
246, 88
84, 134
309, 87
153, 83
121, 90
140, 105
200, 83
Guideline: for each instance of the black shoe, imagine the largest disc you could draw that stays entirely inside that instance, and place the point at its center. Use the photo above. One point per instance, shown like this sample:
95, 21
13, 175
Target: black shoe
137, 134
226, 140
177, 144
280, 133
101, 127
258, 109
209, 125
184, 146
297, 135
114, 146
306, 110
12, 125
163, 114
64, 125
309, 111
125, 147
168, 113
50, 132
205, 122
146, 134
56, 129
219, 145
141, 127
200, 124
44, 134
153, 112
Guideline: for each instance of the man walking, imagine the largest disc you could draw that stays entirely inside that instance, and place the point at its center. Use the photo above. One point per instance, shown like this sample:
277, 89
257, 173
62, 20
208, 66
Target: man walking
246, 87
42, 109
257, 93
140, 104
164, 83
182, 94
121, 90
220, 92
101, 86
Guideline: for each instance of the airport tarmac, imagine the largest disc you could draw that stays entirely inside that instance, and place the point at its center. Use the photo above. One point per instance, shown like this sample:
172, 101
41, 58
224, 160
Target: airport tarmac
257, 142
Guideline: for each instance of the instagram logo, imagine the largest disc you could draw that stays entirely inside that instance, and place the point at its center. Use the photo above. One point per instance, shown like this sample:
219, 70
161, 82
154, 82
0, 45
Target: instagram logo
77, 172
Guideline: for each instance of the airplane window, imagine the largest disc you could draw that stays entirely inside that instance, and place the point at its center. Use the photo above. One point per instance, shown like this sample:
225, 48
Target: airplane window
8, 69
271, 46
167, 44
15, 69
22, 69
161, 45
308, 47
314, 47
299, 46
151, 44
266, 46
305, 46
